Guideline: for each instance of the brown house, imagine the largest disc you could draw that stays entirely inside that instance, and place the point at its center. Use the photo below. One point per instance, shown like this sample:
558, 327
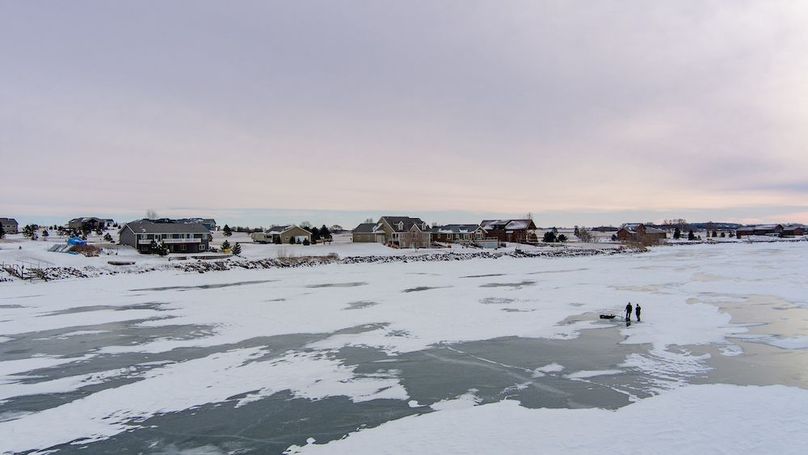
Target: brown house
770, 230
638, 232
516, 231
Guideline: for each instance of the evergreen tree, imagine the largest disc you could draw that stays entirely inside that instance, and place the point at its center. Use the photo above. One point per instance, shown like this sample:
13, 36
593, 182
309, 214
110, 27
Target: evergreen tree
2, 232
45, 234
562, 238
306, 242
227, 231
325, 234
107, 237
677, 234
237, 249
276, 239
315, 234
292, 240
691, 235
225, 245
549, 237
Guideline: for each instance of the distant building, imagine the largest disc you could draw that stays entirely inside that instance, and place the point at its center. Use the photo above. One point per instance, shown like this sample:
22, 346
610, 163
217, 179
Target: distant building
86, 223
771, 230
10, 225
399, 231
793, 230
605, 229
515, 231
453, 233
178, 237
282, 234
638, 232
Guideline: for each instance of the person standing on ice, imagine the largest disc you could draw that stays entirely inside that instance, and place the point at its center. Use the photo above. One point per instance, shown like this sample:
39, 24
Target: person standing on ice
637, 311
628, 311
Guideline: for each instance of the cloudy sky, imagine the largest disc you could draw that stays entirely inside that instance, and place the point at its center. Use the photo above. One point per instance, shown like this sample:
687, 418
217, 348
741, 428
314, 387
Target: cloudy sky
580, 112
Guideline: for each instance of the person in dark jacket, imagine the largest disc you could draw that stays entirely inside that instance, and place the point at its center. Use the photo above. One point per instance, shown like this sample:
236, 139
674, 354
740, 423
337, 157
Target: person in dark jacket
628, 311
637, 311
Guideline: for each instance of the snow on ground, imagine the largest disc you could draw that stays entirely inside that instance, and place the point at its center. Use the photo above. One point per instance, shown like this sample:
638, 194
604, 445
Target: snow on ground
403, 308
695, 419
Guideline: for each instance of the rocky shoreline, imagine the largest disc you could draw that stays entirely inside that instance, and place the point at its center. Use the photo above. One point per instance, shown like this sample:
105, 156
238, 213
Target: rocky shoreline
232, 263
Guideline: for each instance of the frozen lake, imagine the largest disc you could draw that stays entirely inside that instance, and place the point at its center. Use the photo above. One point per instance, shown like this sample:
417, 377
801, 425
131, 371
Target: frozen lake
479, 356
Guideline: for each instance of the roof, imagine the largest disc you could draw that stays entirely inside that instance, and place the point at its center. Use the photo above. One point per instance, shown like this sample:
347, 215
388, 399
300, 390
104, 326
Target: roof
511, 225
364, 228
280, 229
406, 221
632, 227
84, 219
8, 220
165, 227
455, 229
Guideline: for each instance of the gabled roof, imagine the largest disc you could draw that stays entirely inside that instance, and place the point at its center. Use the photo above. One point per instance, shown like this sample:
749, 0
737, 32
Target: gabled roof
632, 228
280, 229
8, 220
165, 227
83, 219
364, 228
405, 221
511, 225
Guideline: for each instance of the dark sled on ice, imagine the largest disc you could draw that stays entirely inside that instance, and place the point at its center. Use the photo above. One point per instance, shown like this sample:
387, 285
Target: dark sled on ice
608, 316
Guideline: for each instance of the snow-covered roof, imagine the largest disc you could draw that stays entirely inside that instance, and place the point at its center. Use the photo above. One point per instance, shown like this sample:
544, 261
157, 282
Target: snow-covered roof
456, 229
511, 225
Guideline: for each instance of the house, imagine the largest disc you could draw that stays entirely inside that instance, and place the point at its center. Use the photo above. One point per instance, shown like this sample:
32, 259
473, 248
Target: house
10, 225
288, 233
178, 237
398, 231
86, 224
451, 233
515, 231
793, 230
638, 232
771, 230
366, 233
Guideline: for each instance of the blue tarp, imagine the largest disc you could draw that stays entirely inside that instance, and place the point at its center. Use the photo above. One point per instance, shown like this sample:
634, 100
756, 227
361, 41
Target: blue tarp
76, 241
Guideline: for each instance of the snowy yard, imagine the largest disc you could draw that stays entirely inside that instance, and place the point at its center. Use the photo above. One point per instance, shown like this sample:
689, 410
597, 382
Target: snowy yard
500, 355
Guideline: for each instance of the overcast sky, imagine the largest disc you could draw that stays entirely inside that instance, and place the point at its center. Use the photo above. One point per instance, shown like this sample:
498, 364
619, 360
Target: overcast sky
581, 112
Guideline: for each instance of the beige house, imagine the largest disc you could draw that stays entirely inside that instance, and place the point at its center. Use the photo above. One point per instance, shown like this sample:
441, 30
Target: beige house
397, 231
289, 233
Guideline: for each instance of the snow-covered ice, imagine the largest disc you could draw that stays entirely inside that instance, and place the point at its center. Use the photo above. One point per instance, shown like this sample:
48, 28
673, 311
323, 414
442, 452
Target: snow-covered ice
95, 360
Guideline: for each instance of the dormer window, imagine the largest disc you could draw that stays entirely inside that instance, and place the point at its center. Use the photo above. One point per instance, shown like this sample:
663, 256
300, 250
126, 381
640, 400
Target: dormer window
400, 225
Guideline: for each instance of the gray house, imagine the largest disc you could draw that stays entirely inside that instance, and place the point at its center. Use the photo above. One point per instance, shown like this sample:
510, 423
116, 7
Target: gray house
398, 231
462, 233
10, 225
178, 237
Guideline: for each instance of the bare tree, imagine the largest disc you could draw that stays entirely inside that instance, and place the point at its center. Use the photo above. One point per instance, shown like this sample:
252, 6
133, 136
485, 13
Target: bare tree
151, 214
